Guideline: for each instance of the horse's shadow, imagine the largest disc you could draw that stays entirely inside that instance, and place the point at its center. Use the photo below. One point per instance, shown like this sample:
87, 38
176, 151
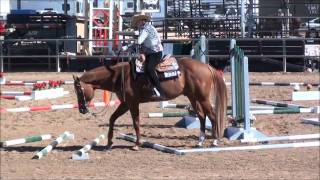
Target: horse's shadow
189, 137
130, 125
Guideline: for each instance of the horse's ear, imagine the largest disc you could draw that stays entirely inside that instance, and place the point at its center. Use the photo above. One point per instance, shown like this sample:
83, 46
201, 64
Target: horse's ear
75, 78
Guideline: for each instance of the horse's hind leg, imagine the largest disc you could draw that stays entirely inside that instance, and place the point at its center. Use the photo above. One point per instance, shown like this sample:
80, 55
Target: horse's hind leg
208, 110
134, 110
197, 107
117, 113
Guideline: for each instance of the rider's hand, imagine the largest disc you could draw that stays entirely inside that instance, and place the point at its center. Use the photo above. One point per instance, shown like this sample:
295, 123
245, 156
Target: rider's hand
124, 48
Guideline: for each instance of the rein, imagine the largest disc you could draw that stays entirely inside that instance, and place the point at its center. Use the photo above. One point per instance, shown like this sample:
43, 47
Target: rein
104, 111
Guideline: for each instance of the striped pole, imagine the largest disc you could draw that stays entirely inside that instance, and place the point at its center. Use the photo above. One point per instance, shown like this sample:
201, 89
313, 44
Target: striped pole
180, 106
65, 136
158, 147
28, 139
255, 147
185, 106
278, 84
57, 107
170, 114
15, 93
281, 84
283, 138
268, 110
20, 98
275, 103
87, 147
30, 83
8, 97
287, 110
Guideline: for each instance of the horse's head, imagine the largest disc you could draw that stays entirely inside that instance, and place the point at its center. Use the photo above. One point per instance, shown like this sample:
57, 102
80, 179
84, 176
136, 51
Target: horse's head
84, 94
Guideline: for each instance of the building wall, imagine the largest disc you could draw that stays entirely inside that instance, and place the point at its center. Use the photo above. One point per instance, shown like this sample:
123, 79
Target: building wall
297, 7
56, 5
4, 8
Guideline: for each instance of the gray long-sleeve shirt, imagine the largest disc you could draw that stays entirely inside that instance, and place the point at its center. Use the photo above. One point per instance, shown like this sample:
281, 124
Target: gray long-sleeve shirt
150, 39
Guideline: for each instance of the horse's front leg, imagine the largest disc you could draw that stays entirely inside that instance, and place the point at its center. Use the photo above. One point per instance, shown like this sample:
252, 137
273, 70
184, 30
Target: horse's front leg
122, 108
134, 110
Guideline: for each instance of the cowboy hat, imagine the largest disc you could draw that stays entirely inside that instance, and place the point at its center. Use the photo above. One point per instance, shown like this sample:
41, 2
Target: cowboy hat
139, 17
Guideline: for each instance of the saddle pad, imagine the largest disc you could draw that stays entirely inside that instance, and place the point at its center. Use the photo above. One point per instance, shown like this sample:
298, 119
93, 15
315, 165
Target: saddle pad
168, 63
139, 66
168, 75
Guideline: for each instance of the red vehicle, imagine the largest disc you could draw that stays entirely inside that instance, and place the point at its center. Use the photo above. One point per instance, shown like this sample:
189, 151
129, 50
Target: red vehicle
2, 28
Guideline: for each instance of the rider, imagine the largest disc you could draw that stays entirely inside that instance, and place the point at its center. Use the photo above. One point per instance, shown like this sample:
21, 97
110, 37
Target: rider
151, 46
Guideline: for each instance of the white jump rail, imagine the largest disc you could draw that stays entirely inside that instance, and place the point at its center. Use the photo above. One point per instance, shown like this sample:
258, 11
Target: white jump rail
255, 147
283, 138
219, 149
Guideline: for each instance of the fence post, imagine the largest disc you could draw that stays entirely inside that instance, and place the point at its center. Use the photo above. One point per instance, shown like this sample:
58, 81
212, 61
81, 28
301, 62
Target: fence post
1, 56
203, 49
284, 53
233, 88
242, 20
57, 57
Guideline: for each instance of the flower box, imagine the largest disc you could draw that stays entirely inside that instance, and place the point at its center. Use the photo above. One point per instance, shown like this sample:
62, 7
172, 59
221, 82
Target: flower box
47, 93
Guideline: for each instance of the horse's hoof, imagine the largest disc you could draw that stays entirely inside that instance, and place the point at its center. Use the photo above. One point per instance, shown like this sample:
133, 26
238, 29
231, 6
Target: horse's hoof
199, 145
108, 147
135, 148
215, 143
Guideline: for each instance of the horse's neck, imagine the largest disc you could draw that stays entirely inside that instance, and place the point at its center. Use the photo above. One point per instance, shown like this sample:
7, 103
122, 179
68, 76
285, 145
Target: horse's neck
121, 70
122, 67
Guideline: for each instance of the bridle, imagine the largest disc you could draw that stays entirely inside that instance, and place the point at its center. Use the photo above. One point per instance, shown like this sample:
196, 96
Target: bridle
82, 103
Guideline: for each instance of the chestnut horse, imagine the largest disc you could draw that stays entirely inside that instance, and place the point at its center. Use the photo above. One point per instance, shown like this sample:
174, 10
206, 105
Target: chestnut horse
198, 81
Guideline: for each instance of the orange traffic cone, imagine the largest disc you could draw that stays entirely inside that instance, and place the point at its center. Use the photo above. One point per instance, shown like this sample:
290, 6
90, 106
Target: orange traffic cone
106, 97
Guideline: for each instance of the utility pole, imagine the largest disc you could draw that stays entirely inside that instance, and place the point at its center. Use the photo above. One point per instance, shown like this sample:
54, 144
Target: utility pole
242, 18
18, 4
65, 9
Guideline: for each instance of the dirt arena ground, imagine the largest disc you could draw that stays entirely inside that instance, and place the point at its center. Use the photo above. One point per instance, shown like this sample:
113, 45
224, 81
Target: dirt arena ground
123, 163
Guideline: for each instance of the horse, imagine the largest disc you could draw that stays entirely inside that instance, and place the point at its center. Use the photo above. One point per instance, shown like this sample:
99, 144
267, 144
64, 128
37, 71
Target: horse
198, 81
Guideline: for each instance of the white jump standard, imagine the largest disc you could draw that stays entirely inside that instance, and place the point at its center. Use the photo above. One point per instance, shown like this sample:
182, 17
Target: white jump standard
82, 153
240, 96
65, 136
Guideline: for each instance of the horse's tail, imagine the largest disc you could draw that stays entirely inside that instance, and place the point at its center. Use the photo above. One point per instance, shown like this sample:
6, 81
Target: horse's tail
221, 100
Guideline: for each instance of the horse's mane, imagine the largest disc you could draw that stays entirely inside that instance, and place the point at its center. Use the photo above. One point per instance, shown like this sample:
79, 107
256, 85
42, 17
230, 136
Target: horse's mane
99, 73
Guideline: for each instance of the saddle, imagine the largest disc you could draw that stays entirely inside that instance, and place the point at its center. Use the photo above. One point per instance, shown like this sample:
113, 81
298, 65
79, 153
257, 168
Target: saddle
167, 68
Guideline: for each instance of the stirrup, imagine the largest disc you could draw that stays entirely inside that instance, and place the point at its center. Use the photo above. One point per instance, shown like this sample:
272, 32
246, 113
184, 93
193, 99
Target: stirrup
156, 92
